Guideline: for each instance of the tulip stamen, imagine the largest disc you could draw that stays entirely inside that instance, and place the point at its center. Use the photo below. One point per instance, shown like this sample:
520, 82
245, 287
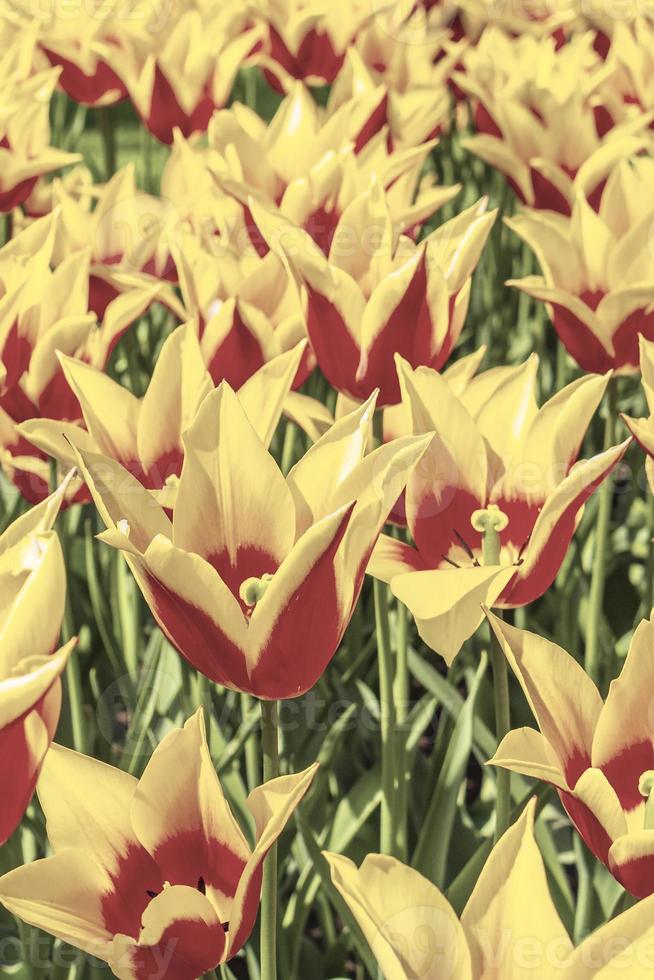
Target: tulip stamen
150, 893
523, 547
466, 547
253, 589
646, 789
451, 562
202, 888
489, 522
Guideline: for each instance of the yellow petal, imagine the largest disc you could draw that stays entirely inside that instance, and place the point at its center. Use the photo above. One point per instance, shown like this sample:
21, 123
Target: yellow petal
564, 700
410, 926
447, 603
510, 920
232, 498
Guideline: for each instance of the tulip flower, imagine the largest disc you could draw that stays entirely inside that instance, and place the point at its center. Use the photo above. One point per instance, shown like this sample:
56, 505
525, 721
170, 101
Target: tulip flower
32, 600
246, 308
307, 165
404, 69
307, 39
598, 755
129, 236
25, 151
152, 875
45, 310
145, 434
643, 429
497, 458
597, 270
85, 42
379, 293
631, 47
251, 561
509, 928
529, 96
182, 60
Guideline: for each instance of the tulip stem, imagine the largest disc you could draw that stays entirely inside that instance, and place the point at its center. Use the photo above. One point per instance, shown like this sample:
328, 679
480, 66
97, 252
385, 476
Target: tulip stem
401, 699
490, 522
252, 754
387, 715
108, 141
270, 751
602, 528
502, 728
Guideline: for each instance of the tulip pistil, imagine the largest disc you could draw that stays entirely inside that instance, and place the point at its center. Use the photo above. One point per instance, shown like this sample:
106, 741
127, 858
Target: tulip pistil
253, 589
489, 522
646, 789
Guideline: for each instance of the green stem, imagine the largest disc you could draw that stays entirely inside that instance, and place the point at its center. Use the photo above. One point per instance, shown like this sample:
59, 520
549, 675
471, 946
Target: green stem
401, 699
502, 728
288, 448
252, 754
490, 523
584, 906
270, 751
72, 673
602, 528
108, 141
387, 712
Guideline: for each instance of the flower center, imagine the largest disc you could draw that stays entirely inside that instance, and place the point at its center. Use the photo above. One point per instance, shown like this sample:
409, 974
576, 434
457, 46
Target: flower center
489, 522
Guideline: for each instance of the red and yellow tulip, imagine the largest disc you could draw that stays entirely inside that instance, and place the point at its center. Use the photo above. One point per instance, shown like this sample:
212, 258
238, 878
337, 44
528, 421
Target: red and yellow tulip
307, 39
597, 270
32, 599
145, 435
44, 309
245, 306
495, 456
598, 755
86, 42
251, 560
182, 59
152, 875
378, 293
25, 150
509, 928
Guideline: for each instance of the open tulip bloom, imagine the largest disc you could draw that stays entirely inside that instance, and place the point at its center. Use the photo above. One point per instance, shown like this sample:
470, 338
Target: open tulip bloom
44, 312
510, 927
378, 293
154, 875
145, 434
253, 563
598, 755
495, 456
32, 598
597, 270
